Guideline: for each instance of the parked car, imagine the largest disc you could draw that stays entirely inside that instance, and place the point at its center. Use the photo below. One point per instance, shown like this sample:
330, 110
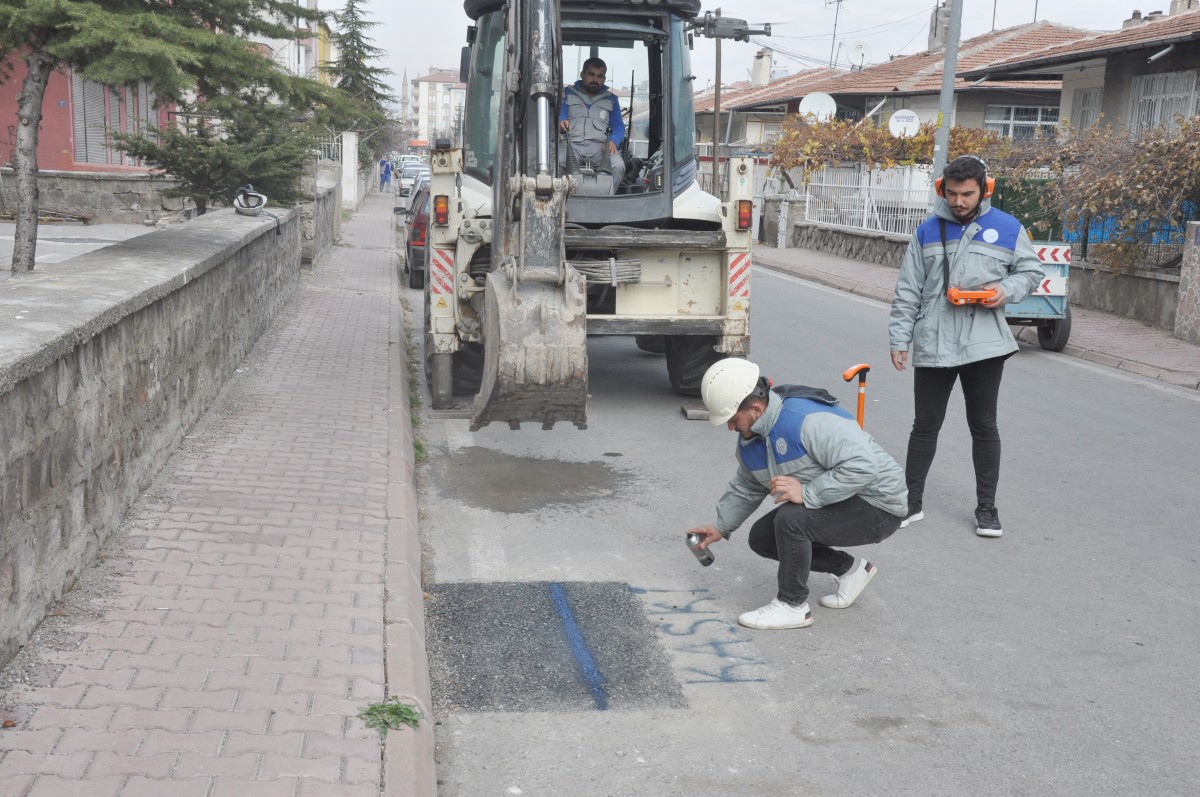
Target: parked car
421, 182
416, 239
408, 175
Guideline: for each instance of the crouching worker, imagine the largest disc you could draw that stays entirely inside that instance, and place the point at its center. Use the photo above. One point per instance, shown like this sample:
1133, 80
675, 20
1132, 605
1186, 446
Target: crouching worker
835, 486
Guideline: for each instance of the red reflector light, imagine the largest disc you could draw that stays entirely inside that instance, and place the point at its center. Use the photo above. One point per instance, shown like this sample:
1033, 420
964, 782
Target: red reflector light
418, 235
745, 212
441, 209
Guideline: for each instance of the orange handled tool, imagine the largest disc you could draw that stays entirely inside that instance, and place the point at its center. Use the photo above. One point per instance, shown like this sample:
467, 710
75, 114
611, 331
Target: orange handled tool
965, 296
861, 370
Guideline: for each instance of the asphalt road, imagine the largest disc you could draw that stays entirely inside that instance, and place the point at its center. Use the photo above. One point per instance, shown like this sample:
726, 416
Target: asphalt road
1060, 659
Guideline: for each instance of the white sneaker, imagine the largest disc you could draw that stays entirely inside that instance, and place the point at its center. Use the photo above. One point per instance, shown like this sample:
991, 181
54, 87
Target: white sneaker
851, 585
913, 517
778, 615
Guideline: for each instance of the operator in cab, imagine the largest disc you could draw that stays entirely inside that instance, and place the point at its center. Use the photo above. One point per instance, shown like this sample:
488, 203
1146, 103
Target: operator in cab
591, 118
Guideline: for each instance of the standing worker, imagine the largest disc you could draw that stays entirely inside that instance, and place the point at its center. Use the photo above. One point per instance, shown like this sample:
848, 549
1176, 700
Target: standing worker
967, 244
591, 118
834, 482
385, 174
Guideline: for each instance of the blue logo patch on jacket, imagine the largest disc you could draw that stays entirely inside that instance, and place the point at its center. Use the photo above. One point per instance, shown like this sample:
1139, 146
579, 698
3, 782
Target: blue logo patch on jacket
784, 435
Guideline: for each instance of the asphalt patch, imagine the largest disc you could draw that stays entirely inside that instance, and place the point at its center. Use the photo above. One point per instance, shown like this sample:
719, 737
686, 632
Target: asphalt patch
545, 646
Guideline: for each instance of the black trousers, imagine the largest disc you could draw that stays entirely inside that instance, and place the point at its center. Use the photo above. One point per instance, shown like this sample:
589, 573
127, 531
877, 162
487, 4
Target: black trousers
931, 394
800, 539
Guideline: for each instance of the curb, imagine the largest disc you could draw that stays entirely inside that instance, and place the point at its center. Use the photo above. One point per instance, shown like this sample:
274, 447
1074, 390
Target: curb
1186, 379
408, 755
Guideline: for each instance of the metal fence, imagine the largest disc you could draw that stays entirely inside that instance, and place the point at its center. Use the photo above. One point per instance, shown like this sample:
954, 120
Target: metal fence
330, 149
859, 197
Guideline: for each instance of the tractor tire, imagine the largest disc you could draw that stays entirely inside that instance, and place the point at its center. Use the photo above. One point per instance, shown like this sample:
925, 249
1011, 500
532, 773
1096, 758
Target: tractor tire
416, 279
654, 344
1053, 335
688, 358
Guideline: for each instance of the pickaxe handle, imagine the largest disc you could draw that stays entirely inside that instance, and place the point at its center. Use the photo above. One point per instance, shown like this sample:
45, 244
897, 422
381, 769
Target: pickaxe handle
861, 370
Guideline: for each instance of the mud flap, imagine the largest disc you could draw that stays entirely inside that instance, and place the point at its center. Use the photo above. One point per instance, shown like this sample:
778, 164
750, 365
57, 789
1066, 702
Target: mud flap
535, 353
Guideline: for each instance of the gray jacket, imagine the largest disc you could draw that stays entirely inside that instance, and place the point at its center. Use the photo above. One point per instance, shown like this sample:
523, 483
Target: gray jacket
821, 446
943, 335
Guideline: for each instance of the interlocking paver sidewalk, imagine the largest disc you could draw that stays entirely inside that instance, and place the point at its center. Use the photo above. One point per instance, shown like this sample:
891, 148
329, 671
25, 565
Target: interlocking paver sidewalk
246, 622
1099, 337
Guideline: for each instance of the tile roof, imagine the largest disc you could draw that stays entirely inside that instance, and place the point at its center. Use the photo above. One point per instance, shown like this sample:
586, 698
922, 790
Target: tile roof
921, 73
703, 100
1155, 33
781, 90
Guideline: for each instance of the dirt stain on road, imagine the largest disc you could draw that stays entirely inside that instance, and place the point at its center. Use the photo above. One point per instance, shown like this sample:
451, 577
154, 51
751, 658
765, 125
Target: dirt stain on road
500, 482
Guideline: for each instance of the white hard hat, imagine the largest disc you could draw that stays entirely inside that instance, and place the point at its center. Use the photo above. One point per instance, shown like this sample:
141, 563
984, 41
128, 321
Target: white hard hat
725, 386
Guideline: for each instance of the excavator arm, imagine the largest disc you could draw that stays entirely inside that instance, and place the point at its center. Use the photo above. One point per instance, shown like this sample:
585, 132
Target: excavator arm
535, 315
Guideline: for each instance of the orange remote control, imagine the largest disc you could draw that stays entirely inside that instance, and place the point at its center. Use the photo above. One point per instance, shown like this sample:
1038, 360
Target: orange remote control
964, 296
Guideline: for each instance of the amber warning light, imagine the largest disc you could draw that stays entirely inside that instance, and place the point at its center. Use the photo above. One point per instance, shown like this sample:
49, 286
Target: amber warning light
441, 209
745, 213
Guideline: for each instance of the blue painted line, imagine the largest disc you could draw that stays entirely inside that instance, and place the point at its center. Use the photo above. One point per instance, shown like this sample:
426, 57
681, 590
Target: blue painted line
579, 649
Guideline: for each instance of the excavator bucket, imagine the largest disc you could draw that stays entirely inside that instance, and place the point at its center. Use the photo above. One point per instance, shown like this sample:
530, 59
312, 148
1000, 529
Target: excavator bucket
535, 352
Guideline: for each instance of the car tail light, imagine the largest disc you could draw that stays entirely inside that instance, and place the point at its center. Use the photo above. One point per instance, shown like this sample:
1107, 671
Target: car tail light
745, 212
418, 235
441, 210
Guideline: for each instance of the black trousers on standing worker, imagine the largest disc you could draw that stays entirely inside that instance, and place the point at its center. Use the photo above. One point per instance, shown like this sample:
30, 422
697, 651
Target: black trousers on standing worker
931, 394
800, 539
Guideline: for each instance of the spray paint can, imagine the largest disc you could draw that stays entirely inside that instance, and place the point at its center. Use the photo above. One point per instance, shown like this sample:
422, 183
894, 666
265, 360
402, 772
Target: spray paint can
703, 555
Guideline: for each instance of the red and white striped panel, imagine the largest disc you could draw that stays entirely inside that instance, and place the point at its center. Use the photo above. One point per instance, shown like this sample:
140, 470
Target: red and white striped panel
739, 275
1054, 254
441, 271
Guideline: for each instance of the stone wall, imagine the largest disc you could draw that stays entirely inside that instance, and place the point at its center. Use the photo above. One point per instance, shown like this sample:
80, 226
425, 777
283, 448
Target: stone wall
106, 362
883, 248
1146, 296
321, 222
1187, 317
102, 197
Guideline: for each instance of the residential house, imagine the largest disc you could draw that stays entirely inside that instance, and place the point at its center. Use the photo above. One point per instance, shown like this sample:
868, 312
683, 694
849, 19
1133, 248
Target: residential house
1144, 75
1014, 107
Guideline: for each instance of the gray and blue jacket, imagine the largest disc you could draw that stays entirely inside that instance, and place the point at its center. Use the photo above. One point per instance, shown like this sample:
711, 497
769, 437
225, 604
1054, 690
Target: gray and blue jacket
594, 120
943, 335
820, 445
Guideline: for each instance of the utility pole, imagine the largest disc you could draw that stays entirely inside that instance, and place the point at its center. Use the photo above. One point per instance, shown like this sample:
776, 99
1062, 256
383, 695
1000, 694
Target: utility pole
941, 138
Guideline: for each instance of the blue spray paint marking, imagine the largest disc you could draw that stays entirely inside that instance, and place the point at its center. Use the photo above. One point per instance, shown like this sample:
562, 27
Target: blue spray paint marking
579, 650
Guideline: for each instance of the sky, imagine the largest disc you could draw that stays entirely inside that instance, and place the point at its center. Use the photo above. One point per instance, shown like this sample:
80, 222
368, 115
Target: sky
419, 34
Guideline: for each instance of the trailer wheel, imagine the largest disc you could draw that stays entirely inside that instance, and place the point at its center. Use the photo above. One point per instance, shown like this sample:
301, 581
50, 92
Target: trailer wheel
655, 344
1053, 335
688, 358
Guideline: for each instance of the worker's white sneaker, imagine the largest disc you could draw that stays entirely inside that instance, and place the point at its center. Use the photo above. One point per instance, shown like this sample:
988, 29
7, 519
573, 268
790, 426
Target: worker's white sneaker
851, 585
778, 615
915, 513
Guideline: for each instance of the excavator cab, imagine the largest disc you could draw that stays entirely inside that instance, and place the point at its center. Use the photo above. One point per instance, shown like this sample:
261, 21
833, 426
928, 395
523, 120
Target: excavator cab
532, 252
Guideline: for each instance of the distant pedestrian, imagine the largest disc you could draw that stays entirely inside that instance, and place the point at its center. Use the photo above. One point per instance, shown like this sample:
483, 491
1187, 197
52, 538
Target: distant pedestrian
385, 174
966, 244
833, 486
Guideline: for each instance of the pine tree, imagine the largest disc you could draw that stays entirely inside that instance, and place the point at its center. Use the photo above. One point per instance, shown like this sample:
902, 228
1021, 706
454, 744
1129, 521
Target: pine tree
362, 83
180, 47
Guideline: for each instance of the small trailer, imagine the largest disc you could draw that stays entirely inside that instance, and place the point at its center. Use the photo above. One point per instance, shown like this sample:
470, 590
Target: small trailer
1047, 307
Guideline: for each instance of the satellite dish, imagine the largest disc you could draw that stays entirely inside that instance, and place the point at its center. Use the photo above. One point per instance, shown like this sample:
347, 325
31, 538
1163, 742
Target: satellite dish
859, 55
904, 123
819, 105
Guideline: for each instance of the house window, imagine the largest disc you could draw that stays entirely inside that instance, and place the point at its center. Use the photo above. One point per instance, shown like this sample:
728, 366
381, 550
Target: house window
96, 110
1160, 100
1020, 121
1085, 108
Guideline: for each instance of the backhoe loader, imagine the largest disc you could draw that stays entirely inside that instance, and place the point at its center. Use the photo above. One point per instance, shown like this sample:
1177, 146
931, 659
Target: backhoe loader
530, 254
